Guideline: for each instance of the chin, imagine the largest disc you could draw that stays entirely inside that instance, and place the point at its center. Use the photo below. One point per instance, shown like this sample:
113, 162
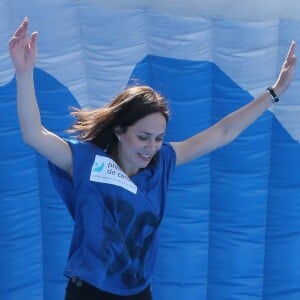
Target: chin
144, 165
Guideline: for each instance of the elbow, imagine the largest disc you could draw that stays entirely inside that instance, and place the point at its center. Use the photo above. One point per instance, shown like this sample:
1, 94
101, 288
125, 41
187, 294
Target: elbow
31, 137
27, 139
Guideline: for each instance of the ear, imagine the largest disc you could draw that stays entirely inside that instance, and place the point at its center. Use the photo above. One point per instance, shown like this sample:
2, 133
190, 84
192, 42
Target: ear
118, 132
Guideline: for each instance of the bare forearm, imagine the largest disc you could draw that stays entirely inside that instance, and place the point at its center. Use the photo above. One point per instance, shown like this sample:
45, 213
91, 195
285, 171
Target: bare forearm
240, 119
223, 131
28, 110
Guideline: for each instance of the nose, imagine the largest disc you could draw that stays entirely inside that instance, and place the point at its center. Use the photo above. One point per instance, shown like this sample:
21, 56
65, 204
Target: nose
153, 145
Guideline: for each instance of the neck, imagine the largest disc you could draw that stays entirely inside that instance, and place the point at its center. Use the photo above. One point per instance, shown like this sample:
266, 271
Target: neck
126, 169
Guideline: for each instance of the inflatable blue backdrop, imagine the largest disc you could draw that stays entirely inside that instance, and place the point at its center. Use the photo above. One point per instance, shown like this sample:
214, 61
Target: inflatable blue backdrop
232, 224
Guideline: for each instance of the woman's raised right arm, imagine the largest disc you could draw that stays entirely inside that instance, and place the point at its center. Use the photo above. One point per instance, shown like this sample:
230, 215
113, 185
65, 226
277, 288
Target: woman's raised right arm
23, 52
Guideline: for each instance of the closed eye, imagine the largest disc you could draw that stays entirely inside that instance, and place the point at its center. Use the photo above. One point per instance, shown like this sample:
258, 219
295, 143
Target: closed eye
146, 136
143, 138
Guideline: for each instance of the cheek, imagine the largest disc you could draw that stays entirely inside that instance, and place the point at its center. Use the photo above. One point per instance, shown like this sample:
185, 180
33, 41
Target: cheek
135, 142
131, 143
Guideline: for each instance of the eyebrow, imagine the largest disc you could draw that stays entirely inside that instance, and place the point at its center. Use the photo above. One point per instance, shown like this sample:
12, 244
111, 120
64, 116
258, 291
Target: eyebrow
149, 133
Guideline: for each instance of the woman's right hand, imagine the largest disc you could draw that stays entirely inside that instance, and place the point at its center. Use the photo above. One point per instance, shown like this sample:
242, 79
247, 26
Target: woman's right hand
23, 50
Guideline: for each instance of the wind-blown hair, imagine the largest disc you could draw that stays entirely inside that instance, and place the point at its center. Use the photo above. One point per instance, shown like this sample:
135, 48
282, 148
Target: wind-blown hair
98, 125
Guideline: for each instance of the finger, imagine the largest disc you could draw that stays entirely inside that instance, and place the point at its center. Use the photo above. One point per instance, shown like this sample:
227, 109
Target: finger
14, 41
20, 36
33, 40
291, 50
293, 60
22, 28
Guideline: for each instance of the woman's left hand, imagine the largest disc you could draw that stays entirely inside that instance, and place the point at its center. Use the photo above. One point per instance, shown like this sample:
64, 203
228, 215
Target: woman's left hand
287, 71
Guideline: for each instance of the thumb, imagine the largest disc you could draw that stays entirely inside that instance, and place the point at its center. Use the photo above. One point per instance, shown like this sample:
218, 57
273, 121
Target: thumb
33, 40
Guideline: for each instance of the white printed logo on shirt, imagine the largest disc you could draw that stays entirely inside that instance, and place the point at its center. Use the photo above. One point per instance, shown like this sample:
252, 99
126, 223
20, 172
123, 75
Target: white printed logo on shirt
105, 170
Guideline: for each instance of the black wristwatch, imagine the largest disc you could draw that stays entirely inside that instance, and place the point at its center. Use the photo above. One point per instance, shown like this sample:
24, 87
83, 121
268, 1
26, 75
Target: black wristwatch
273, 94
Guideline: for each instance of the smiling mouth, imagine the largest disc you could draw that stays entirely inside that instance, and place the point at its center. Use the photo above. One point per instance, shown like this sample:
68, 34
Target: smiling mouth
145, 156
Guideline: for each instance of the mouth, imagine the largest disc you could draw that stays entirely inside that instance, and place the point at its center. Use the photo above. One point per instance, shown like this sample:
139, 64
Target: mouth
145, 157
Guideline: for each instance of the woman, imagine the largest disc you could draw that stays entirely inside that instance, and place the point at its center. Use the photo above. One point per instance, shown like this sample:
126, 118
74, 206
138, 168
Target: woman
114, 176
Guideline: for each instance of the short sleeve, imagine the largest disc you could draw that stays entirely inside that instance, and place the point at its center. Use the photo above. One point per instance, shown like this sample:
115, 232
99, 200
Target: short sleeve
168, 157
63, 182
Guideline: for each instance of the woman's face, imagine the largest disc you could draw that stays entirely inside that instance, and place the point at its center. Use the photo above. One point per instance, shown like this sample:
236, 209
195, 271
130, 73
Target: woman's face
140, 142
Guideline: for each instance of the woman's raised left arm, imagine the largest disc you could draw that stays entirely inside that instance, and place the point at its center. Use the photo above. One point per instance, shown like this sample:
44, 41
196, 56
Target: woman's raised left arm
233, 124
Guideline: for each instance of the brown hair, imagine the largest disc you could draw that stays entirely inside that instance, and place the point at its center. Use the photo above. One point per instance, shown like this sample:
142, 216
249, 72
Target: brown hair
98, 125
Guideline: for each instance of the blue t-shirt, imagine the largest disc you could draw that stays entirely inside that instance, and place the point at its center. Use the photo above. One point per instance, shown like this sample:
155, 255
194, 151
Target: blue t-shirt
116, 218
